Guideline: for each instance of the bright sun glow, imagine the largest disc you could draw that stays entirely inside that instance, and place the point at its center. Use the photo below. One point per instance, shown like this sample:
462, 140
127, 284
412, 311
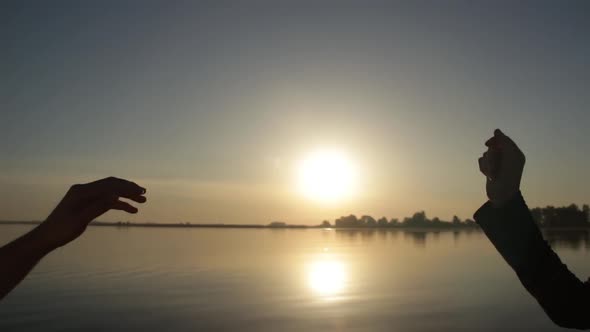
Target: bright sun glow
327, 278
327, 176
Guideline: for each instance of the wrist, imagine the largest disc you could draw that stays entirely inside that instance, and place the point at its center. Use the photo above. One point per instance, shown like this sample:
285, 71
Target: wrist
44, 238
503, 200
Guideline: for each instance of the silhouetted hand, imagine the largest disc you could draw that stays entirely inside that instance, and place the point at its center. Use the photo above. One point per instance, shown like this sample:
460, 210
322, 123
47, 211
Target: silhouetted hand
82, 204
502, 164
85, 202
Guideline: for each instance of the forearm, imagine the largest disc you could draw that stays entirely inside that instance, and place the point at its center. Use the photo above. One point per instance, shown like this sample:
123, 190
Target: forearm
18, 257
513, 232
564, 298
515, 235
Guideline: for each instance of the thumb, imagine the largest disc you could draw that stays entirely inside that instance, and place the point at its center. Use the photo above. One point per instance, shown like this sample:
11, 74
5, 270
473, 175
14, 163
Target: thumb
97, 208
501, 137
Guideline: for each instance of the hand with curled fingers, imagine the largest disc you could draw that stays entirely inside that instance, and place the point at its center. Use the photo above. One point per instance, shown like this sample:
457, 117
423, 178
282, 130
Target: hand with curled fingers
503, 165
85, 202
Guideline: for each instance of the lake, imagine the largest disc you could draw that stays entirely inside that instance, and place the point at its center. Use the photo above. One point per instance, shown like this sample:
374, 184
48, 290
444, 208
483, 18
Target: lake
175, 279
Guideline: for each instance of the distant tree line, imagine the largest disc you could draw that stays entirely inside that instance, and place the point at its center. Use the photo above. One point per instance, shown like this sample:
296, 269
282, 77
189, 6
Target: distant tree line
419, 219
566, 216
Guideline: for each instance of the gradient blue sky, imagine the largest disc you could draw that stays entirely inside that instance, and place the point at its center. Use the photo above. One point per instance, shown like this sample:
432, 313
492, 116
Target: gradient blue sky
211, 104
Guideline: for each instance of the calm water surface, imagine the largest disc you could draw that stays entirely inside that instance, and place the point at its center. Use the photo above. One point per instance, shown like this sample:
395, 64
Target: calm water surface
155, 279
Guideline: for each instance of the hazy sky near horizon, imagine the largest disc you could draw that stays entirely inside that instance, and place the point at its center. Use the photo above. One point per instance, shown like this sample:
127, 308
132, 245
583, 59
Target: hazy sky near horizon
211, 105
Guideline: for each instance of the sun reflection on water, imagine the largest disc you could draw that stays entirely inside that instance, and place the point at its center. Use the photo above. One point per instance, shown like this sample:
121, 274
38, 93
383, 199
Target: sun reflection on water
327, 277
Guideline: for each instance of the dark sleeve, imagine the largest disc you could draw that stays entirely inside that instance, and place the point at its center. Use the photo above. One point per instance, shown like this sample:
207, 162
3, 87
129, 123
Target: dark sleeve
513, 232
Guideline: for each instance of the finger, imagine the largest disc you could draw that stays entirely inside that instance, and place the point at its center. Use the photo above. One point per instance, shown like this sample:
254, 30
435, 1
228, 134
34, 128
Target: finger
483, 166
503, 139
492, 142
98, 208
494, 161
124, 206
102, 206
138, 199
116, 186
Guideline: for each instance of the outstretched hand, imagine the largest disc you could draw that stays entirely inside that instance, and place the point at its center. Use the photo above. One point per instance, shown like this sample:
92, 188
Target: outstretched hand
84, 203
502, 164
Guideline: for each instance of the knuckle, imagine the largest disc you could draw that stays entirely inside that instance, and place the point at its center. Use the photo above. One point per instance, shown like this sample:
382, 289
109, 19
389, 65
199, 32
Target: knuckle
75, 188
113, 179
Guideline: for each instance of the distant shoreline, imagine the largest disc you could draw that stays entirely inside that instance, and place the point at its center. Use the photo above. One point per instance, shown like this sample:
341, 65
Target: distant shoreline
167, 225
259, 226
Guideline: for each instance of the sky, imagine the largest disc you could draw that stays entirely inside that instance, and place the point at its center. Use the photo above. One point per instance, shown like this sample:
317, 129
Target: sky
212, 105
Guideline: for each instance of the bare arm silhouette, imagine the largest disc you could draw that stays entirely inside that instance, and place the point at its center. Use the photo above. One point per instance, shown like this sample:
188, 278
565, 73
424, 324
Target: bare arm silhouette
508, 223
81, 204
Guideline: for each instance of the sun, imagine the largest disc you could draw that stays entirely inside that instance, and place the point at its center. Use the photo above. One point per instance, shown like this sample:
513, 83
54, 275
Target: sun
327, 176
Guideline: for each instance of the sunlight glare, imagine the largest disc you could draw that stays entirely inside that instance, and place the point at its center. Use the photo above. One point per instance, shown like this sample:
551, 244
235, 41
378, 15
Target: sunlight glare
327, 278
327, 176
